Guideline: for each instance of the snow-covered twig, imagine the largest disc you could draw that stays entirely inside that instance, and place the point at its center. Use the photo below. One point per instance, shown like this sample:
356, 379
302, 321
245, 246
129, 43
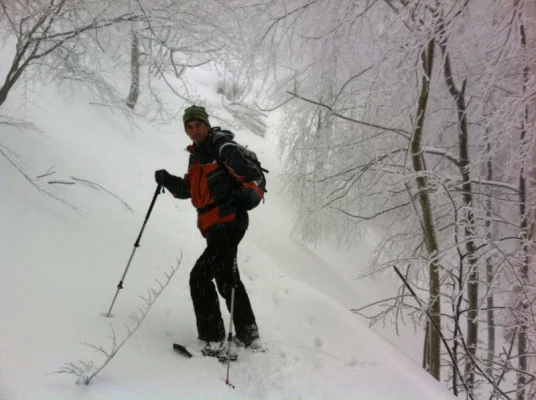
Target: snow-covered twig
61, 183
96, 186
4, 151
86, 371
455, 364
48, 173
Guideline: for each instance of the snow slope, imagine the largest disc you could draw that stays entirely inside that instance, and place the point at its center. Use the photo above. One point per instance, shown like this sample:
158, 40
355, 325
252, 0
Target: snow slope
59, 268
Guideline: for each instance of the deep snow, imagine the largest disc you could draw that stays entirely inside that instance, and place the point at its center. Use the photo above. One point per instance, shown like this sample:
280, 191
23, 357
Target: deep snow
60, 266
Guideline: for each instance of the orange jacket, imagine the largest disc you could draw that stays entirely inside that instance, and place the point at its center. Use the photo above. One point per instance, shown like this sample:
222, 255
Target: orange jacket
217, 173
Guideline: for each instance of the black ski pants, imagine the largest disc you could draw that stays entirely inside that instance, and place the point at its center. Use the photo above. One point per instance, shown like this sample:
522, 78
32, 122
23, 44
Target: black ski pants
218, 262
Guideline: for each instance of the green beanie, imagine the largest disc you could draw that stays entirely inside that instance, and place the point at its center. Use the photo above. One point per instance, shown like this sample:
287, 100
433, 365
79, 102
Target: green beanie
195, 113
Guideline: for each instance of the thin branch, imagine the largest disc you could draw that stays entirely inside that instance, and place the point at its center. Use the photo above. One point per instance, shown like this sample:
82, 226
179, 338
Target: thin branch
358, 310
400, 132
454, 363
31, 181
86, 371
48, 173
61, 183
96, 186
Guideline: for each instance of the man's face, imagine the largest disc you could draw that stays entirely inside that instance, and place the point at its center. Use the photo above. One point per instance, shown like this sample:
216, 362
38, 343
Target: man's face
197, 131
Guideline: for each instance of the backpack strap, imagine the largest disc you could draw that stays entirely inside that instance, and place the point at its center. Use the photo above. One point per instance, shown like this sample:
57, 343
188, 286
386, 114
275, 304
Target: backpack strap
251, 172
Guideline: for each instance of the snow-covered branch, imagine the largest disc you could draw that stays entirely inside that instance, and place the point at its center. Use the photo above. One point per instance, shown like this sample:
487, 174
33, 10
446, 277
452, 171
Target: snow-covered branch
86, 371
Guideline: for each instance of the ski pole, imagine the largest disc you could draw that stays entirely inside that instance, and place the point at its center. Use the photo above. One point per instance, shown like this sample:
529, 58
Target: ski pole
230, 337
136, 245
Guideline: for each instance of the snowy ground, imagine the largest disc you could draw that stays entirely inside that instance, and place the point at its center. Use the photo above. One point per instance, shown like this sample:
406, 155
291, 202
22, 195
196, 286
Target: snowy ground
59, 268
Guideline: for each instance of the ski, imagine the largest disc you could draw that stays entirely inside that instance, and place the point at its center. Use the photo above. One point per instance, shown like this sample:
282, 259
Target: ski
183, 351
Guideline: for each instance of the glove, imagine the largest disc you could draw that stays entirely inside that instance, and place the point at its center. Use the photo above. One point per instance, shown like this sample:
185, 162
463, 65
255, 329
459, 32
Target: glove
162, 177
247, 199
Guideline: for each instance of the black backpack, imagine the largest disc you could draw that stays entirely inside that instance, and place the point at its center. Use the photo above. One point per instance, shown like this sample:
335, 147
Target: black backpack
250, 155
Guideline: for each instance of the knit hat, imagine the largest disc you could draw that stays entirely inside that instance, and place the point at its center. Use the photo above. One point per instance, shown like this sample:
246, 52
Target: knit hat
195, 113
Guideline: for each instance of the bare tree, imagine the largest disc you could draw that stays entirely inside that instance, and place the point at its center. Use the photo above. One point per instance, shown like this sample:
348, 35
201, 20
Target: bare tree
433, 348
524, 211
379, 155
41, 28
458, 96
244, 112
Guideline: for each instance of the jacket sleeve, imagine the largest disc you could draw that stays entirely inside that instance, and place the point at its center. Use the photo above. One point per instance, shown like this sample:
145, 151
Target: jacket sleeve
244, 172
179, 187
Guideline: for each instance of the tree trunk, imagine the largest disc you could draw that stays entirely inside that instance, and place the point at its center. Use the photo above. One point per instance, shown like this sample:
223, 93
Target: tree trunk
18, 66
433, 360
469, 229
522, 335
134, 72
490, 273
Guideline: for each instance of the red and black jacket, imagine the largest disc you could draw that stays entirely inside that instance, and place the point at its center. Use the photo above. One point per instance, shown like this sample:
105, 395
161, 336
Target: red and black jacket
217, 173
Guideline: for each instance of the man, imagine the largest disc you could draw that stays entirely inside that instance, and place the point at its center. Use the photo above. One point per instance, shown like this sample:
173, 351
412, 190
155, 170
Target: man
222, 185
